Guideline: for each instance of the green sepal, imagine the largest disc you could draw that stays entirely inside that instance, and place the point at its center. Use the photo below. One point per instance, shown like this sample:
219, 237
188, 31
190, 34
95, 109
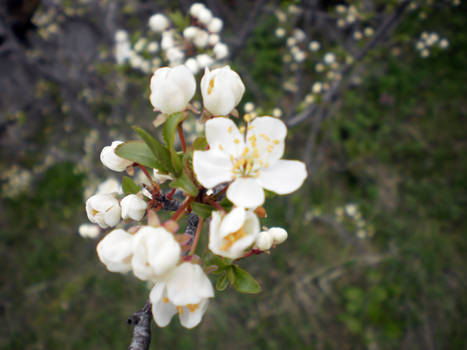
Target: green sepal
138, 152
161, 153
222, 282
231, 274
169, 132
213, 260
200, 143
129, 186
185, 183
243, 281
201, 209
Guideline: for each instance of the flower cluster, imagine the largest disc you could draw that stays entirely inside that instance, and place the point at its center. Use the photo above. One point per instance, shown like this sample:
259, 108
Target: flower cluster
196, 43
221, 177
427, 41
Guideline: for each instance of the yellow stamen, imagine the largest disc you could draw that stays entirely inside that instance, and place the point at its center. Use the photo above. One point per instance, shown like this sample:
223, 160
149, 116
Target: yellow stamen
276, 142
180, 309
230, 129
211, 86
192, 307
94, 212
237, 141
165, 300
266, 137
233, 237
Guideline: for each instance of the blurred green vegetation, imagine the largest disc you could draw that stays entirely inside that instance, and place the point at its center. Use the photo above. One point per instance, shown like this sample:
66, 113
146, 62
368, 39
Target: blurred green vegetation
396, 147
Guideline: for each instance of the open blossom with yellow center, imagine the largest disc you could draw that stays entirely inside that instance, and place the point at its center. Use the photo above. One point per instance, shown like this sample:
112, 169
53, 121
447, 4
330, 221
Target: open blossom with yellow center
231, 234
251, 159
185, 291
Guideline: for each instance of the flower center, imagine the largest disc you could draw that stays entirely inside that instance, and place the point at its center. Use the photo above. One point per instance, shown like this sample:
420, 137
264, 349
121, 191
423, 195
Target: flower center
233, 237
211, 86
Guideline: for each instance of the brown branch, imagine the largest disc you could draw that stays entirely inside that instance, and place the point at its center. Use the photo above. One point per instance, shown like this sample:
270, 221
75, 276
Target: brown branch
141, 320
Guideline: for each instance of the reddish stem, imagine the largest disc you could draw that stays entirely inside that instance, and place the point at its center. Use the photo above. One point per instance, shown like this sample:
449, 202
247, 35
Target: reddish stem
197, 234
145, 171
180, 210
217, 206
250, 253
181, 135
170, 195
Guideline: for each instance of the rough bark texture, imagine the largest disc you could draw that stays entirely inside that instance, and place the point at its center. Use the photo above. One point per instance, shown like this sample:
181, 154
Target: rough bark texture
141, 320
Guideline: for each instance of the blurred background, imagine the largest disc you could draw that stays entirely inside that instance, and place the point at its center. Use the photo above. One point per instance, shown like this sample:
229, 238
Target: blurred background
373, 93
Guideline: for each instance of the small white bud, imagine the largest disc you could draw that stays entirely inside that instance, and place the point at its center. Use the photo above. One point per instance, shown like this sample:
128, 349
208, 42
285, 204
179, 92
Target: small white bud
277, 112
264, 240
215, 26
201, 38
133, 207
205, 16
222, 89
329, 58
89, 230
121, 35
192, 65
158, 22
153, 47
103, 209
190, 32
278, 234
204, 60
196, 8
111, 160
213, 39
314, 46
280, 32
221, 51
115, 252
172, 89
249, 107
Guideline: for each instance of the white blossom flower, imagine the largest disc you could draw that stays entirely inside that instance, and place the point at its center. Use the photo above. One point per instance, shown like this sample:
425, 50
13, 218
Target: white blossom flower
277, 112
185, 291
329, 58
111, 160
155, 252
221, 51
192, 65
249, 107
103, 209
253, 161
205, 16
280, 32
204, 60
190, 32
230, 235
215, 26
317, 87
158, 22
291, 41
140, 44
89, 230
368, 31
314, 46
213, 39
201, 38
114, 251
196, 8
222, 90
109, 186
444, 43
264, 241
175, 55
168, 40
121, 35
133, 207
278, 234
153, 47
172, 89
299, 34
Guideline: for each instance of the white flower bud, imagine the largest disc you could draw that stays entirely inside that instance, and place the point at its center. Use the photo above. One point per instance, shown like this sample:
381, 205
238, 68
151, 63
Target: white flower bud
277, 112
121, 35
172, 89
167, 40
196, 8
114, 251
175, 55
278, 234
221, 51
109, 186
299, 34
329, 58
153, 47
190, 32
215, 26
314, 46
158, 22
201, 38
249, 107
111, 160
192, 65
103, 209
213, 39
280, 32
89, 230
204, 60
155, 252
205, 16
264, 241
222, 90
133, 207
317, 87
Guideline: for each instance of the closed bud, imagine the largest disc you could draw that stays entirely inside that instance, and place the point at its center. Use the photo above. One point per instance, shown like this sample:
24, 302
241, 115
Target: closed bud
111, 160
172, 89
221, 51
89, 230
215, 26
104, 210
278, 234
133, 207
222, 90
158, 22
114, 251
264, 240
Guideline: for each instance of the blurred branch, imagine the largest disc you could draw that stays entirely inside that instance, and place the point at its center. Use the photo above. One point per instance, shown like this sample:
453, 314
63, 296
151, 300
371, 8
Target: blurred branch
141, 320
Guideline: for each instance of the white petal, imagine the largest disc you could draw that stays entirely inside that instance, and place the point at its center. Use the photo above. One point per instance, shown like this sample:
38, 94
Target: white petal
189, 285
190, 319
212, 167
163, 313
185, 80
285, 176
223, 134
246, 192
233, 221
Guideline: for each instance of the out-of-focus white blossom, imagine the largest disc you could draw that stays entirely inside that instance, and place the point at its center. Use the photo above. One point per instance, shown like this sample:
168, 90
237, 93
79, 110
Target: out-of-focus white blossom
192, 65
153, 47
317, 87
204, 60
172, 89
103, 209
190, 32
329, 58
201, 38
222, 89
277, 112
249, 107
133, 207
215, 26
213, 39
205, 16
314, 46
196, 8
280, 32
221, 51
158, 22
89, 230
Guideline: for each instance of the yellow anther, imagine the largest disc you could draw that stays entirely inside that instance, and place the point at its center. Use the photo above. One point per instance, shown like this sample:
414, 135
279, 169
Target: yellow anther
165, 300
192, 307
276, 142
180, 310
266, 137
242, 129
237, 141
256, 153
245, 151
230, 129
221, 147
94, 212
233, 237
270, 148
211, 86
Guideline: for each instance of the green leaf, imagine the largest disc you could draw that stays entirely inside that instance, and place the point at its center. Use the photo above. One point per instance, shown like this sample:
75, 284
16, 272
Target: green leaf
201, 209
214, 260
169, 132
161, 153
200, 143
129, 186
231, 274
139, 152
244, 282
185, 183
222, 282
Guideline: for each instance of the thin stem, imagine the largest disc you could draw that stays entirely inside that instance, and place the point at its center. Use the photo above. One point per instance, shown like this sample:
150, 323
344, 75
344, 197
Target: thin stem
217, 206
197, 234
181, 135
180, 210
170, 195
153, 183
250, 253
